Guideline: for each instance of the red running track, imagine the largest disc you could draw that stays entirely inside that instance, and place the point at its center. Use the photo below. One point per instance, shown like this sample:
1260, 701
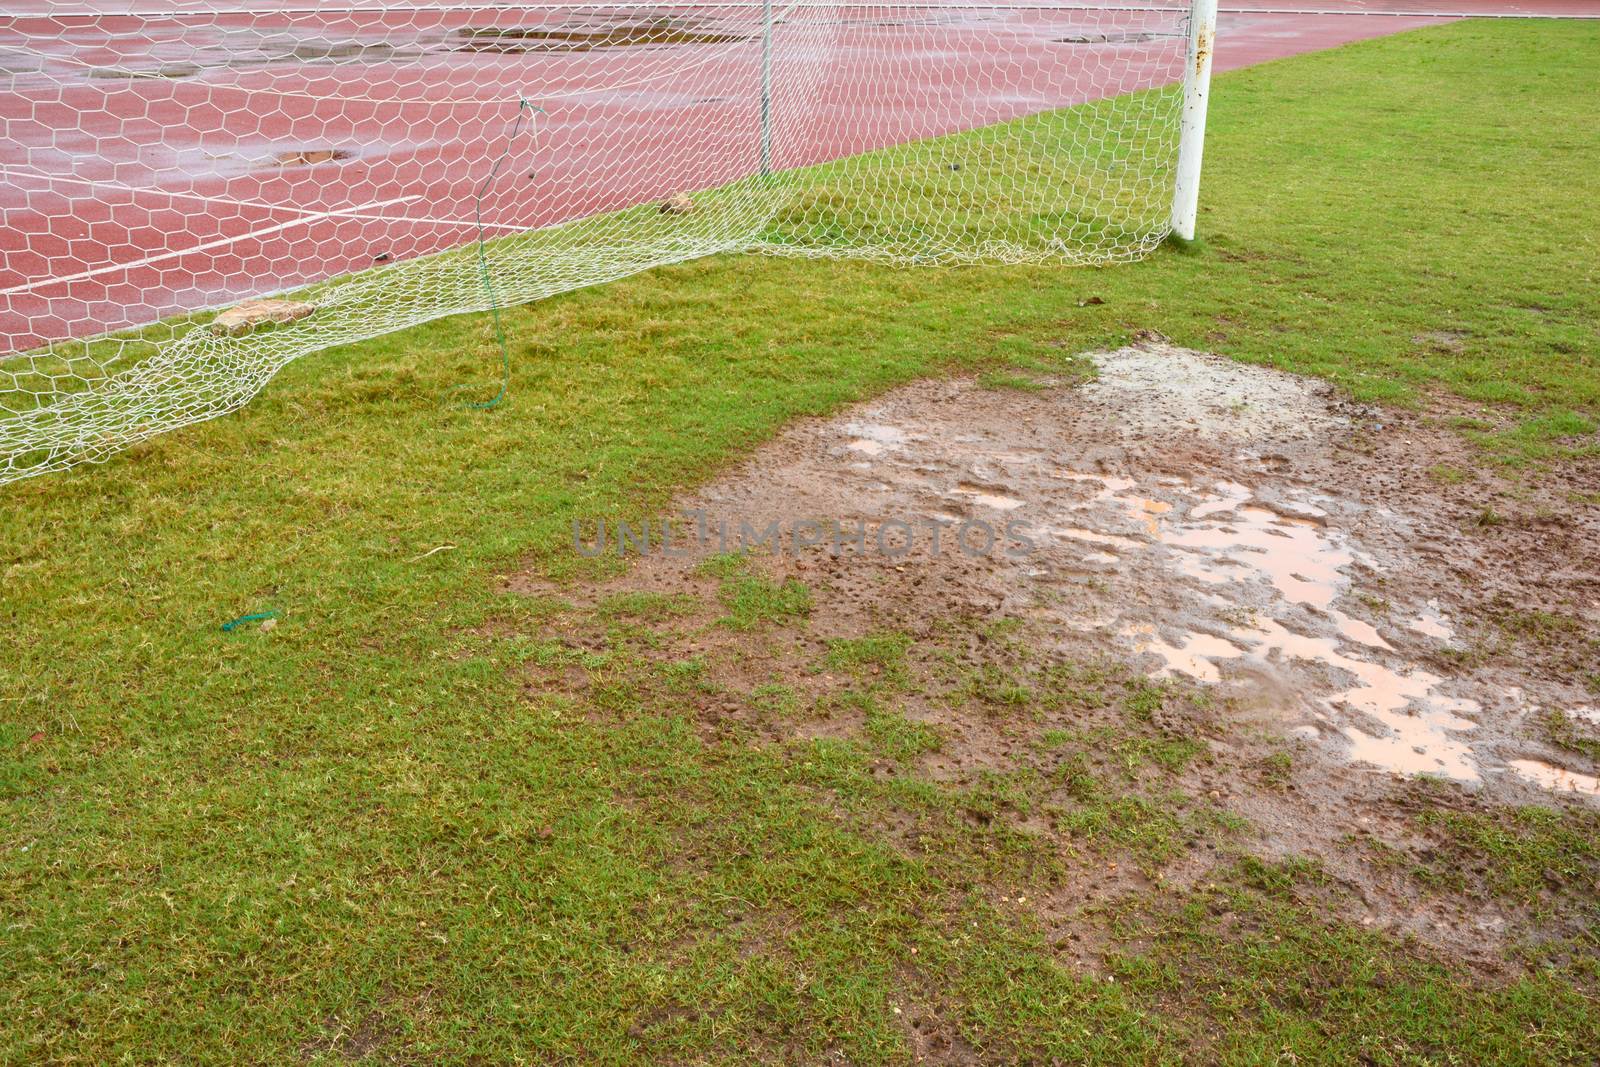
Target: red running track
142, 171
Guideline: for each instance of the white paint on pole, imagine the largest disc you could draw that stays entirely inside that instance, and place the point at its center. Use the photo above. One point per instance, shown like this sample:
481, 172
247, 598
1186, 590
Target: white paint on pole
1192, 126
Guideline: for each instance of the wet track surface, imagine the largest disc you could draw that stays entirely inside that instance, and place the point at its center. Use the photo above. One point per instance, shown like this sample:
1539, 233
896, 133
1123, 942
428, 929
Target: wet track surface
158, 165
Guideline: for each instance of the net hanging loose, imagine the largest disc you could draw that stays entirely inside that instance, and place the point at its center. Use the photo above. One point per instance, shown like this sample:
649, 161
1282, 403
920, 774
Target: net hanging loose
166, 163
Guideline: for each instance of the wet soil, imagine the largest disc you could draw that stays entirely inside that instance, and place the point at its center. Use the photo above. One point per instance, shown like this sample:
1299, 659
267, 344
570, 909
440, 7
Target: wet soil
1287, 562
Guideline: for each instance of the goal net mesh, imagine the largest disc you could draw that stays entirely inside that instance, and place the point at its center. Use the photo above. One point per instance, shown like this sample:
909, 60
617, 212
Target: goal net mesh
368, 168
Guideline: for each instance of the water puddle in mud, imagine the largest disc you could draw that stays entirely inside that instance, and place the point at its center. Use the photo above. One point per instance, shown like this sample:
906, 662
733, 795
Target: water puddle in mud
872, 438
1557, 779
1430, 622
1274, 573
989, 497
1078, 533
1247, 581
1584, 714
1195, 654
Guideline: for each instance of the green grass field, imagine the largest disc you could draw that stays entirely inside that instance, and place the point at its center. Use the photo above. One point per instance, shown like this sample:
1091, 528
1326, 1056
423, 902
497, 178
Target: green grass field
358, 837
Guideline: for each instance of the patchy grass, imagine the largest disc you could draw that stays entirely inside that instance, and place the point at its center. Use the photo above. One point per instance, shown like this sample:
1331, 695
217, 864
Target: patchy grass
646, 607
898, 737
753, 599
1564, 731
384, 829
1152, 829
1521, 853
776, 699
1560, 639
1277, 769
880, 657
1257, 973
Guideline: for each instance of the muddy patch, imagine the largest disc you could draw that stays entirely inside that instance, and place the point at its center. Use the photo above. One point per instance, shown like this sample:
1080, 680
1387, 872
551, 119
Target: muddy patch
587, 36
1321, 628
1161, 514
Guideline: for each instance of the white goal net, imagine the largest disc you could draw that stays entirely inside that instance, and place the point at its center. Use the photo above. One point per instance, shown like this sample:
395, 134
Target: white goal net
371, 167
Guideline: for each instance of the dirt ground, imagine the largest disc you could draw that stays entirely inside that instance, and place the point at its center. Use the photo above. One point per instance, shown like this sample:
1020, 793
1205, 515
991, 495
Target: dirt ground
1353, 621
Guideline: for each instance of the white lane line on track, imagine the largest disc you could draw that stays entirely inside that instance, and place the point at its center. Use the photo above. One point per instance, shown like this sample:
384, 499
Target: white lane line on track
353, 213
93, 183
434, 220
360, 212
218, 243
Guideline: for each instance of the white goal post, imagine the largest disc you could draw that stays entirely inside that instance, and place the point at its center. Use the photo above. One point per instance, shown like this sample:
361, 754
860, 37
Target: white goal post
197, 192
1192, 135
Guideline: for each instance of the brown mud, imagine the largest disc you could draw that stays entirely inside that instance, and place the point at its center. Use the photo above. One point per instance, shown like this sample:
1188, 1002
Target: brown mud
1282, 560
